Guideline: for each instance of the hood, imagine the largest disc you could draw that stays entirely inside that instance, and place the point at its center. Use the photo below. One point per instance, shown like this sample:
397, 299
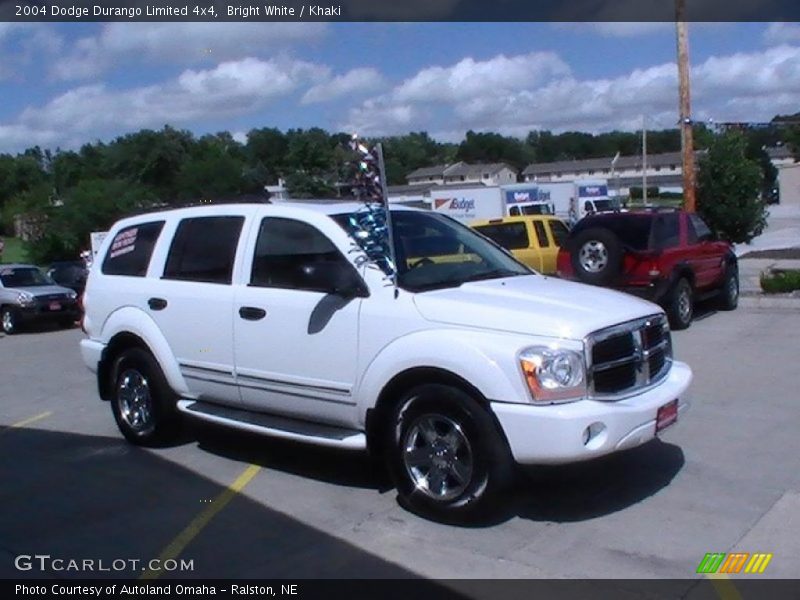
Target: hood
533, 305
42, 290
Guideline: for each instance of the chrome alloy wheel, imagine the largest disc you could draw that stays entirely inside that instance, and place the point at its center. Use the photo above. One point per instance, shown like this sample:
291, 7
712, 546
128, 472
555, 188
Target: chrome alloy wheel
135, 401
685, 305
438, 457
8, 321
593, 256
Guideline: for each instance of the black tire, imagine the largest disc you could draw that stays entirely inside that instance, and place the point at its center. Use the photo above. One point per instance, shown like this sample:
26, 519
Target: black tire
729, 292
680, 305
9, 319
596, 256
467, 454
142, 401
66, 323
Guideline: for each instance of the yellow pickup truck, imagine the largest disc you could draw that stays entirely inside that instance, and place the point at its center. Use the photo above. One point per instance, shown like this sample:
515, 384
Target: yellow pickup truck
532, 239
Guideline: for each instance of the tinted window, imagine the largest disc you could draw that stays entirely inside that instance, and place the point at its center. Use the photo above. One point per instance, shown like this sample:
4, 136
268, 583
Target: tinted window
560, 232
204, 249
23, 277
698, 230
131, 249
666, 231
285, 250
511, 236
541, 234
632, 229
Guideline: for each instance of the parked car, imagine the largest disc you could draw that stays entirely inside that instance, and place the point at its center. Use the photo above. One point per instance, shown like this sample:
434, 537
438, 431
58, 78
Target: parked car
665, 255
533, 240
27, 295
275, 319
71, 274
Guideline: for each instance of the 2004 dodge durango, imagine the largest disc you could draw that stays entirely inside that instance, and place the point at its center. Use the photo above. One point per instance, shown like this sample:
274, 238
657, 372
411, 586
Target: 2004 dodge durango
275, 319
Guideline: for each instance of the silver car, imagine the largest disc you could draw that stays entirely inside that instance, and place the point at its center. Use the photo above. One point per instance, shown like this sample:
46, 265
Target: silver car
27, 295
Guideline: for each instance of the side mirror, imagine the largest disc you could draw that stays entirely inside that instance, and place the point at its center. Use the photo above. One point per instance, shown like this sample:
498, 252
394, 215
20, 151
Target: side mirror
338, 278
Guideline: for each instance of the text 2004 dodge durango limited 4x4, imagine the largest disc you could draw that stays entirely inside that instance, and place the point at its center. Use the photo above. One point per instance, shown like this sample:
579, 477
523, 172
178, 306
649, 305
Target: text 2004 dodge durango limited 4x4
273, 319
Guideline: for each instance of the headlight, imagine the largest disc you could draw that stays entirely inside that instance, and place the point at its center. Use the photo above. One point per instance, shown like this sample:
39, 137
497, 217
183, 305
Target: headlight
553, 374
72, 295
25, 298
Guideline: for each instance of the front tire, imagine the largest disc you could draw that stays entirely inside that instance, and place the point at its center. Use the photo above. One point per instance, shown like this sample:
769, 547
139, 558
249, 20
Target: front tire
446, 454
729, 293
680, 306
142, 401
9, 320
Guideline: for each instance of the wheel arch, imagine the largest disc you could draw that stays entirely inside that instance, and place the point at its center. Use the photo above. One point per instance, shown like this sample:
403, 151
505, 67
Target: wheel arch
377, 417
128, 328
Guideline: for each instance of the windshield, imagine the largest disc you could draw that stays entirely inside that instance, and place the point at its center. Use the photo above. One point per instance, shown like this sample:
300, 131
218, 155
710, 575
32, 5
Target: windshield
435, 252
603, 205
23, 277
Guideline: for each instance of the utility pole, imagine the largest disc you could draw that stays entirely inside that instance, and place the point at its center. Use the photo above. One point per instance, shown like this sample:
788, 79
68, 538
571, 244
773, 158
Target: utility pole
687, 143
644, 159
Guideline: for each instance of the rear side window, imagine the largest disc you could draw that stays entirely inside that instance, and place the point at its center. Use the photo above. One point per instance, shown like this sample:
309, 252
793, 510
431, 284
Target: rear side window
131, 249
204, 249
666, 231
698, 230
560, 232
541, 234
285, 249
511, 236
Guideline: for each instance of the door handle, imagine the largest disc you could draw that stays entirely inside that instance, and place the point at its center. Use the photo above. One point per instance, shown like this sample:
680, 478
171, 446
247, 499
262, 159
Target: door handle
157, 303
251, 313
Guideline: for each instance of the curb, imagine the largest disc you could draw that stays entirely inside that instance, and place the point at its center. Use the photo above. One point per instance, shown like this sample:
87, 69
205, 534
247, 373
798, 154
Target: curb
780, 301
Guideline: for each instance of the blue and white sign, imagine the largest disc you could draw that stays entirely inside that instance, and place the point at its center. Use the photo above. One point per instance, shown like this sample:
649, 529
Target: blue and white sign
592, 191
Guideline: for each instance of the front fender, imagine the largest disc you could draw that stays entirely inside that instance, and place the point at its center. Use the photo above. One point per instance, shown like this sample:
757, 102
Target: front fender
488, 361
131, 320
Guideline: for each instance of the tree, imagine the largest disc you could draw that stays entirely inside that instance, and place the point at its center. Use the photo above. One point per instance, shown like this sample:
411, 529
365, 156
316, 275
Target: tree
728, 192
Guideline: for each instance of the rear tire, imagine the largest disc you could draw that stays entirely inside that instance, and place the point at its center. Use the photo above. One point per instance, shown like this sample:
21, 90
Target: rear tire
729, 293
680, 305
446, 455
66, 323
596, 256
142, 401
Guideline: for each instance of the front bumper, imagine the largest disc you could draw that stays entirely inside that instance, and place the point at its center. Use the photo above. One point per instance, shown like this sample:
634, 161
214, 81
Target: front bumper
555, 434
40, 312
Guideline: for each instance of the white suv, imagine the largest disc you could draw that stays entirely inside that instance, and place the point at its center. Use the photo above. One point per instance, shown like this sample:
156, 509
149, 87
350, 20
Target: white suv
274, 319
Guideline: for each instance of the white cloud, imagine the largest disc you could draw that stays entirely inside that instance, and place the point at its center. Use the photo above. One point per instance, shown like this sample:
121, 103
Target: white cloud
618, 29
514, 95
355, 81
232, 88
180, 43
780, 33
470, 78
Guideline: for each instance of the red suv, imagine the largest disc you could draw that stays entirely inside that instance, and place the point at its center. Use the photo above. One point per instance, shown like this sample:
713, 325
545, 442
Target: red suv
668, 256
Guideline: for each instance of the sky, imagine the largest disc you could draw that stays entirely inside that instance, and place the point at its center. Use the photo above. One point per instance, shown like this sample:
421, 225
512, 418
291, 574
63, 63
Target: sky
66, 84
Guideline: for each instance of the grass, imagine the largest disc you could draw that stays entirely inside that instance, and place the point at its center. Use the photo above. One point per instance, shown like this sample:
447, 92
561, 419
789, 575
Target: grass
780, 281
14, 251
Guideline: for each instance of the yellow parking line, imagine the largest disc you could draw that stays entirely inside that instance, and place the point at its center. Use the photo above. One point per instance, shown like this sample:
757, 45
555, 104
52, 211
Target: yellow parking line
724, 586
178, 545
21, 424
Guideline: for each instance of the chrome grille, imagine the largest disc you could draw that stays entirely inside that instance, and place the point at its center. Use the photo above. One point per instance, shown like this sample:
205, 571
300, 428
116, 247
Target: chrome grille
626, 358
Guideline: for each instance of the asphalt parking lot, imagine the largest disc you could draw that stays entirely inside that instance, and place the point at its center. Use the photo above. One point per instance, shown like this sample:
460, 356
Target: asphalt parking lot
727, 478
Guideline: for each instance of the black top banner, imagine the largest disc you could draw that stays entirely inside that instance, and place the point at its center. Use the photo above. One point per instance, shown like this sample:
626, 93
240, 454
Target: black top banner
399, 10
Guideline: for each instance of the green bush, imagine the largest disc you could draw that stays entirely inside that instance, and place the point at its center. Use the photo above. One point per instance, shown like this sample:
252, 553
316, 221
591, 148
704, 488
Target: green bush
780, 281
729, 188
